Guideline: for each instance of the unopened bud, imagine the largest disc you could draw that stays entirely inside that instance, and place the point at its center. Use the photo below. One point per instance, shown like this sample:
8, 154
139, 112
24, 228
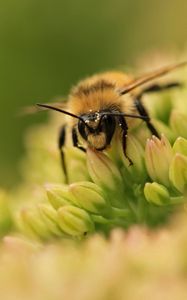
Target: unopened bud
59, 195
158, 155
180, 146
90, 197
49, 216
32, 224
178, 172
156, 193
76, 167
75, 221
135, 152
102, 170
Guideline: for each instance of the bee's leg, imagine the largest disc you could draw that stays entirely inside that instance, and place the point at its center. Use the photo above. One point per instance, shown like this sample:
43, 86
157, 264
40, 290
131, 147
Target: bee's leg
151, 89
161, 87
124, 127
61, 141
75, 140
143, 112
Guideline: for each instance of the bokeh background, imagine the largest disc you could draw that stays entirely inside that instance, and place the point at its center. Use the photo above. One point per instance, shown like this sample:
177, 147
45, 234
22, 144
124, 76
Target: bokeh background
46, 46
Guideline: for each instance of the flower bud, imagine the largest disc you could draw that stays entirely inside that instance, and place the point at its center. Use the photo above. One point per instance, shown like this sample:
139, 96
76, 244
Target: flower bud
32, 224
178, 123
178, 172
158, 155
102, 170
180, 146
76, 167
58, 195
75, 221
156, 193
89, 196
135, 151
49, 216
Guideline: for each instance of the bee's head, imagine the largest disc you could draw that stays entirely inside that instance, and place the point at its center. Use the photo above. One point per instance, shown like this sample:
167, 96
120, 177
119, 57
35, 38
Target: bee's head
97, 129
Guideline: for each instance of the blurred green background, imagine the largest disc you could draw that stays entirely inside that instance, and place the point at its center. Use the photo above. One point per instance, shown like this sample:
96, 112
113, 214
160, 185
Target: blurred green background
46, 46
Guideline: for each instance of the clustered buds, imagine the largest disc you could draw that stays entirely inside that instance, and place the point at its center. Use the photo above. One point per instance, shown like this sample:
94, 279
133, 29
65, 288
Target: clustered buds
158, 156
104, 191
167, 167
117, 196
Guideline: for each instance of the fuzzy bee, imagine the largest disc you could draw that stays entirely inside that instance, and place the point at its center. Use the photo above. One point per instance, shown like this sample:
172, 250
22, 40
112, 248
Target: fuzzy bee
107, 104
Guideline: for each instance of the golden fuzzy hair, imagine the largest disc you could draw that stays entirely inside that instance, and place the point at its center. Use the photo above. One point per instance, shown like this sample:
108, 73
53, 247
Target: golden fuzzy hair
97, 93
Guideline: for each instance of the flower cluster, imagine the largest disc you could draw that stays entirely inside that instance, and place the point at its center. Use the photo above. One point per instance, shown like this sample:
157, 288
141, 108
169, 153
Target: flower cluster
138, 264
104, 192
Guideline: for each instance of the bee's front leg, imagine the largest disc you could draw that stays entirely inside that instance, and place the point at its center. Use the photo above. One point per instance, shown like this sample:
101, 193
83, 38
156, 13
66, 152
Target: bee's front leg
124, 127
61, 142
75, 140
143, 112
152, 89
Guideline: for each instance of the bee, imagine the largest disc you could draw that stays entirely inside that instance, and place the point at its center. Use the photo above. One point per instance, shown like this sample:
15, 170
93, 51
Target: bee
106, 103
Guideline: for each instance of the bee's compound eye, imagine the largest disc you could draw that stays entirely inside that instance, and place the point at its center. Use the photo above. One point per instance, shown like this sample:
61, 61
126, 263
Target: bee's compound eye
108, 125
82, 129
108, 120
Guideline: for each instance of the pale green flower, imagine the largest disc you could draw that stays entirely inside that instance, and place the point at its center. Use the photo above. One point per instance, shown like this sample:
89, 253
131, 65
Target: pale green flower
90, 197
158, 156
103, 190
135, 151
63, 242
178, 172
75, 221
59, 195
180, 146
50, 218
102, 170
156, 193
30, 223
148, 261
76, 161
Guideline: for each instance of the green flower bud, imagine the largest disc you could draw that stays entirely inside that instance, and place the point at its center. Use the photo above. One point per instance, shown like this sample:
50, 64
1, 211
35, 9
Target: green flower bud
77, 162
180, 146
75, 221
59, 195
178, 123
102, 170
178, 172
156, 193
49, 216
32, 224
158, 155
135, 151
90, 197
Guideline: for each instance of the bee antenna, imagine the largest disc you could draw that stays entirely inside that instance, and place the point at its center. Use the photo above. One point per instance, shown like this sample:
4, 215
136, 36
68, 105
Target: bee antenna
60, 110
116, 114
150, 76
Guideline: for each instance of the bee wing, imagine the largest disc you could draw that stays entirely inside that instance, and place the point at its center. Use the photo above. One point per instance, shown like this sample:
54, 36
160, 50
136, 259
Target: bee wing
149, 76
27, 110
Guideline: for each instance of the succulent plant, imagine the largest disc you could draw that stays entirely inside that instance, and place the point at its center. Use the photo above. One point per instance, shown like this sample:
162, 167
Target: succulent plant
104, 191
